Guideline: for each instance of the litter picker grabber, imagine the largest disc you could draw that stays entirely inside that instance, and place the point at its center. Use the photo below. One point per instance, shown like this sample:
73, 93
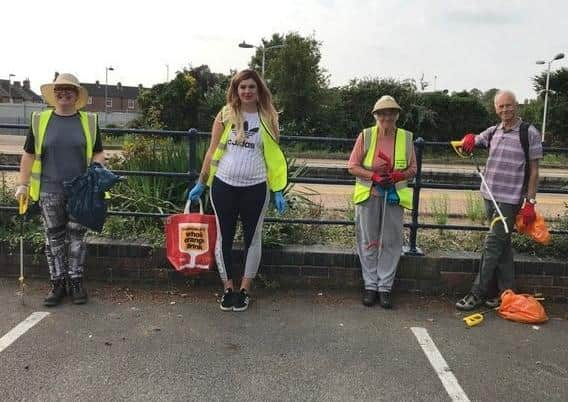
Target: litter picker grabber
477, 318
384, 193
458, 148
22, 209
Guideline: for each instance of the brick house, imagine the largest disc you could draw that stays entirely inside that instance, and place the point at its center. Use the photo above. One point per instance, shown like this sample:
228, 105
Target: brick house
120, 98
20, 92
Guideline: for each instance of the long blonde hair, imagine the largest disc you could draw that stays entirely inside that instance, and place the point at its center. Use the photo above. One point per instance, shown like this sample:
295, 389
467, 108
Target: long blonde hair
232, 111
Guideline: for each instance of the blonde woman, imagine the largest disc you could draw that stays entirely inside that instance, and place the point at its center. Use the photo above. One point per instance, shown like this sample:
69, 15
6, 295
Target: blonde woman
242, 165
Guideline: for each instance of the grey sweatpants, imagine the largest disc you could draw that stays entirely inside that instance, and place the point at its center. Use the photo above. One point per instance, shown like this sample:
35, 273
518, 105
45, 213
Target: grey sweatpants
65, 246
379, 268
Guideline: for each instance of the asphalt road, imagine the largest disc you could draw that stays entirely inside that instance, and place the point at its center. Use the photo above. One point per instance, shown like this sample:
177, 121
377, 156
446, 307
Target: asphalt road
135, 344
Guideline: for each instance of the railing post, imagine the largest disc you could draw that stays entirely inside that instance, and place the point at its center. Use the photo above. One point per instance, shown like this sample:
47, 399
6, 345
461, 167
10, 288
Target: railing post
412, 249
192, 139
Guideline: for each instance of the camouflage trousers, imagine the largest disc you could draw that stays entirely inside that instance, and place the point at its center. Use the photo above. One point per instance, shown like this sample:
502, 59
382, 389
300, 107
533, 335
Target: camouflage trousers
65, 246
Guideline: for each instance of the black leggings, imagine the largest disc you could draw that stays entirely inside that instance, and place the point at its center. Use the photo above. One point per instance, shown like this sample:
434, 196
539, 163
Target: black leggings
230, 202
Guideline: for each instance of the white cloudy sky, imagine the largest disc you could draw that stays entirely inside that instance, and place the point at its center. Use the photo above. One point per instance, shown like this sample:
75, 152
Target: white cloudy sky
466, 44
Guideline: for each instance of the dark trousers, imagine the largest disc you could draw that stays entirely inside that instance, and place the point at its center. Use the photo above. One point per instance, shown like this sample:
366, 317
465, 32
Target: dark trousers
497, 257
250, 204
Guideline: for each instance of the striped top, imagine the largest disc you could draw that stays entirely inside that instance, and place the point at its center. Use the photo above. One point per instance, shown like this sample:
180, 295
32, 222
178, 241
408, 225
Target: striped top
505, 167
243, 164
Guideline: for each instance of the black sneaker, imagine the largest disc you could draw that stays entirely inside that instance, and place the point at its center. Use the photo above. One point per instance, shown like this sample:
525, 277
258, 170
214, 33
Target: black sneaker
78, 292
469, 302
385, 300
369, 297
242, 302
227, 300
56, 293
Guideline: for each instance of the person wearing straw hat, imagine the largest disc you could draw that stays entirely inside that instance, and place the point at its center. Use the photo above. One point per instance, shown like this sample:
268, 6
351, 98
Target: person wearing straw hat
60, 145
382, 162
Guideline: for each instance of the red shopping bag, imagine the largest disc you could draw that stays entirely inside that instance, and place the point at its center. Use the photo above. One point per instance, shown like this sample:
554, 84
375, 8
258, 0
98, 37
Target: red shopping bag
190, 241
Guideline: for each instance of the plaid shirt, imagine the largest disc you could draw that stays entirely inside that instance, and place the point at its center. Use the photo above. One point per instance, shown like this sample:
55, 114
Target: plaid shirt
505, 167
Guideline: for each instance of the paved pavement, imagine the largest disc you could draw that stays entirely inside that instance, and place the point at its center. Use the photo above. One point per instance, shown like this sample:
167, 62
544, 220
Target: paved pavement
291, 345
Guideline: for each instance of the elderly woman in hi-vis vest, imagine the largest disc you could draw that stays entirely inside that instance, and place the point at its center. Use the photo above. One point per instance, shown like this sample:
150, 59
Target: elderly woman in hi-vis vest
382, 162
61, 144
242, 166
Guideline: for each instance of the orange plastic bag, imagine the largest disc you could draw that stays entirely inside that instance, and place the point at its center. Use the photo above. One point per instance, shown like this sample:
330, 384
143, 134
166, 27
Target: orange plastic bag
537, 230
521, 308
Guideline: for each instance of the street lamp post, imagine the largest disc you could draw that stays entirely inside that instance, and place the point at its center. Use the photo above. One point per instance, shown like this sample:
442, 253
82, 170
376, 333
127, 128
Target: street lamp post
107, 69
263, 49
10, 87
557, 57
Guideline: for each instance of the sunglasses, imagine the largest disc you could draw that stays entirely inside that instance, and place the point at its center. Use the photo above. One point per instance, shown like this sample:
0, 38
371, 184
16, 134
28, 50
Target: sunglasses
65, 89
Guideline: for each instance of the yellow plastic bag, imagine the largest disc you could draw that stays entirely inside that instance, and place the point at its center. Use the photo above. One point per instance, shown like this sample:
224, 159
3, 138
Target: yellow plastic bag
521, 308
537, 230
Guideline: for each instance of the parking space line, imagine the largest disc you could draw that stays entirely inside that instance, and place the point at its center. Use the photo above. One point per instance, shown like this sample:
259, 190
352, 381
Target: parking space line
449, 380
21, 329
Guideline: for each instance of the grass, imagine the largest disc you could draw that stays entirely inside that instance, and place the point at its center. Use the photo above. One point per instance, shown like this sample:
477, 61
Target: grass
474, 209
439, 209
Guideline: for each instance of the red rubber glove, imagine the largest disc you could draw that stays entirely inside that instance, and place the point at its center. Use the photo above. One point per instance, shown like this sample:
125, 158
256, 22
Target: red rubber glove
528, 213
383, 181
397, 176
468, 143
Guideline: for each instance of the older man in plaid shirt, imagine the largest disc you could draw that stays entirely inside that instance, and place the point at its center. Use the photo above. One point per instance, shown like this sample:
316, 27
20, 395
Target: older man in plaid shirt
505, 175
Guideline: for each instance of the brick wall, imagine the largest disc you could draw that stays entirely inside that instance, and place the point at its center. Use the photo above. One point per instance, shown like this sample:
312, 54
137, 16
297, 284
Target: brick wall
305, 266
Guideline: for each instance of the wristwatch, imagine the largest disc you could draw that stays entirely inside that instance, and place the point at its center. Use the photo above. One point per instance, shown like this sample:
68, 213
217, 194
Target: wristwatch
531, 200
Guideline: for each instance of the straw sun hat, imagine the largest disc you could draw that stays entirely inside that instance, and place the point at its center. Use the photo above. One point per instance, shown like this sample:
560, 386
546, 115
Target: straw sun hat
385, 102
47, 90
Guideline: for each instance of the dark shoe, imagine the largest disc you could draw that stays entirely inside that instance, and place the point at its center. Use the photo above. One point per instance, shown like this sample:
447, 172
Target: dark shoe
227, 300
493, 302
78, 292
385, 300
242, 301
469, 302
369, 297
56, 293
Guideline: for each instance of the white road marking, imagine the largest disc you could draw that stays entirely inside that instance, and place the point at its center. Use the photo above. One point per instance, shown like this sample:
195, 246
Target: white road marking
437, 361
21, 329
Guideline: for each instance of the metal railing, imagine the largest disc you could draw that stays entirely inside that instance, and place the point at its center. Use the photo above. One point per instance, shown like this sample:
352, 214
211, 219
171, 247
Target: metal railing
192, 136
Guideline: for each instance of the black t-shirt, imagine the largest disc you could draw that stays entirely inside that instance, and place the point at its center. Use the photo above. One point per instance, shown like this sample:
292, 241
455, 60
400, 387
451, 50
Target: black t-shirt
63, 151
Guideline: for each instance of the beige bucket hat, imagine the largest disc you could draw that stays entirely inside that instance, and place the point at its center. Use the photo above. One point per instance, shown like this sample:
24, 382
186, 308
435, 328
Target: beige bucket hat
64, 79
385, 102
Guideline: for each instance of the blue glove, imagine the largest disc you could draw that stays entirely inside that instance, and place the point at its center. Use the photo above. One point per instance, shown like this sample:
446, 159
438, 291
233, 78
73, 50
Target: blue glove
196, 192
280, 202
392, 196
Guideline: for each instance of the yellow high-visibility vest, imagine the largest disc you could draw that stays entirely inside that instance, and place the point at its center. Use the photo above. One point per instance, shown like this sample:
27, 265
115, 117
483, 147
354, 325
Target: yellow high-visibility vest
274, 159
39, 126
402, 155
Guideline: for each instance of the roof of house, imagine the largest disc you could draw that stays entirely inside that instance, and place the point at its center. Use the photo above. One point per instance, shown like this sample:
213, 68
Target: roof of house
18, 91
114, 91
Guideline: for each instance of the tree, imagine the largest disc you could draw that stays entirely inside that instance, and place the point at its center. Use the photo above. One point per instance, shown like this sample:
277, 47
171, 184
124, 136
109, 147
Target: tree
359, 96
557, 118
296, 80
454, 115
190, 100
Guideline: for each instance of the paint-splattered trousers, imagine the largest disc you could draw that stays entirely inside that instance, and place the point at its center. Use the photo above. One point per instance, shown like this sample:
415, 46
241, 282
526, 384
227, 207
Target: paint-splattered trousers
65, 246
379, 257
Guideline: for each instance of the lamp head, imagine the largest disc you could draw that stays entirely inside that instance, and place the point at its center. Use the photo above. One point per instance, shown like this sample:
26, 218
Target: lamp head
245, 45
